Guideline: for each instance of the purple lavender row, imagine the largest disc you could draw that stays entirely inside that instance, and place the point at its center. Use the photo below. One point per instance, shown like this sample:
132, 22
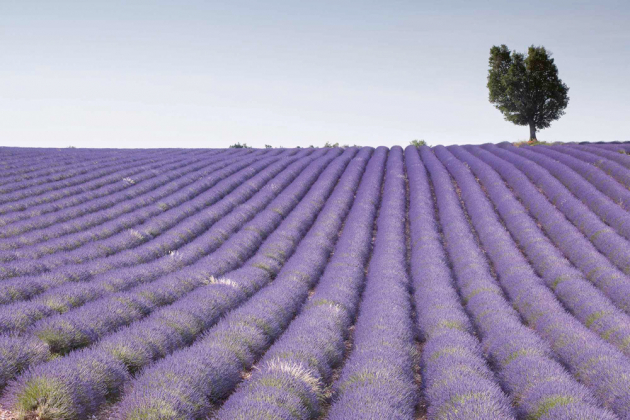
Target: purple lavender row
43, 192
54, 170
611, 168
86, 324
457, 382
377, 380
171, 191
593, 201
122, 234
198, 236
291, 379
538, 384
11, 157
126, 176
565, 236
11, 210
615, 192
595, 363
76, 169
236, 342
605, 239
102, 197
174, 326
164, 291
577, 294
53, 205
622, 159
29, 166
614, 146
67, 234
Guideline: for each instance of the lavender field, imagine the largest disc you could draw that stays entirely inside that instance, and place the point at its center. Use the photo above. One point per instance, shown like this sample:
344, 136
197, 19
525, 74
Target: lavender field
460, 282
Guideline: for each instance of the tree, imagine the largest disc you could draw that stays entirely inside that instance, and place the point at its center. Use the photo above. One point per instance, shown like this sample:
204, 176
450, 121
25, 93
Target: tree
268, 146
240, 146
418, 143
526, 90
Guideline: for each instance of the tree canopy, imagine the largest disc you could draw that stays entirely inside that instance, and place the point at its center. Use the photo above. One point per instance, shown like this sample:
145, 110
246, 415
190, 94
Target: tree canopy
527, 90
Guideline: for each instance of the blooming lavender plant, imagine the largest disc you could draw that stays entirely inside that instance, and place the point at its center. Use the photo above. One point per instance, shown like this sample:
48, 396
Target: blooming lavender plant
377, 380
607, 241
139, 171
457, 381
190, 231
566, 237
66, 193
581, 297
177, 325
610, 167
292, 378
594, 362
527, 367
604, 204
142, 195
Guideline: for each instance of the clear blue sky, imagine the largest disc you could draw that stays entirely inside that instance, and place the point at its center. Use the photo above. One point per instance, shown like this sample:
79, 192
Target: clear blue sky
128, 73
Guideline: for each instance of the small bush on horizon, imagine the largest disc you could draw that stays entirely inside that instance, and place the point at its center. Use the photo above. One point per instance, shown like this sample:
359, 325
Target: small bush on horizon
240, 146
532, 142
418, 143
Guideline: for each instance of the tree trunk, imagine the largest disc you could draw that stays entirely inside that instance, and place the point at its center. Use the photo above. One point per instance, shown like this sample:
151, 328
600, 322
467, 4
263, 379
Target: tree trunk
532, 131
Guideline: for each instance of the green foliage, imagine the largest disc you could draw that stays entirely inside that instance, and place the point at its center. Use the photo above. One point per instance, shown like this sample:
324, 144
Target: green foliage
240, 146
418, 143
531, 142
268, 146
331, 145
527, 90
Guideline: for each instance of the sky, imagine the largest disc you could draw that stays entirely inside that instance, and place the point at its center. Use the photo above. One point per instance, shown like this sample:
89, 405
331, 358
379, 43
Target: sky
188, 73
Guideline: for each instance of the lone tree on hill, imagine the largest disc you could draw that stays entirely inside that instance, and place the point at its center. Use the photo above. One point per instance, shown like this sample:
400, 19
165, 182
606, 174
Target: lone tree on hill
526, 90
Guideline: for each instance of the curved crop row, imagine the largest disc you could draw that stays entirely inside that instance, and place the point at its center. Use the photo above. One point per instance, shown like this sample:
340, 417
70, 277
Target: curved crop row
125, 178
377, 380
20, 200
616, 192
170, 287
113, 204
160, 292
29, 163
611, 168
67, 173
539, 385
174, 326
172, 250
48, 186
291, 379
591, 360
622, 159
141, 226
565, 236
609, 211
607, 241
237, 340
582, 298
457, 382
